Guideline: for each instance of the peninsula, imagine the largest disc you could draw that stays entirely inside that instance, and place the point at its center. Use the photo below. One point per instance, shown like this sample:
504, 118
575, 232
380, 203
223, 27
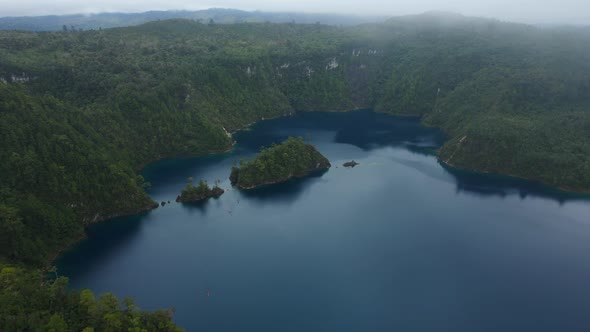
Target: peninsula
279, 163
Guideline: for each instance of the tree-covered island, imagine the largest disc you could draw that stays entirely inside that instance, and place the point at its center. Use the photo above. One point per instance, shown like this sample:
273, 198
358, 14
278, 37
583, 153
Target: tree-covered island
279, 163
198, 193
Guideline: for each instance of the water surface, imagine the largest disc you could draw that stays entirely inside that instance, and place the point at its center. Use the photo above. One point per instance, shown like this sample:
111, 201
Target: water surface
398, 243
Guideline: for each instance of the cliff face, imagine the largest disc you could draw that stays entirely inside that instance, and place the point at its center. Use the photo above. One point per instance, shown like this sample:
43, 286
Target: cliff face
292, 158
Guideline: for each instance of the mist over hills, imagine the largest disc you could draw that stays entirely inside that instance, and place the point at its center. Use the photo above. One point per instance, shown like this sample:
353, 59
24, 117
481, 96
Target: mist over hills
82, 111
218, 15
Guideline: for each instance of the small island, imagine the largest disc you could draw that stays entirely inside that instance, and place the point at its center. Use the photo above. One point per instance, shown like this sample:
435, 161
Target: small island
198, 193
279, 163
350, 164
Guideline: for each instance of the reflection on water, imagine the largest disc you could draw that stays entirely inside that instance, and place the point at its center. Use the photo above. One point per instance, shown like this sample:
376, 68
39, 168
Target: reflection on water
283, 193
399, 243
109, 239
502, 186
388, 131
197, 207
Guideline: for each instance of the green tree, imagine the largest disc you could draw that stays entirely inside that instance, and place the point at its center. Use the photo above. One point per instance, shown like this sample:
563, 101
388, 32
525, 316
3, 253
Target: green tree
57, 324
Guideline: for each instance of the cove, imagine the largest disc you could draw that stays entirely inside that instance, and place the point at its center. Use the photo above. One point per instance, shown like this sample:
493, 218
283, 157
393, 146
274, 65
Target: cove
398, 243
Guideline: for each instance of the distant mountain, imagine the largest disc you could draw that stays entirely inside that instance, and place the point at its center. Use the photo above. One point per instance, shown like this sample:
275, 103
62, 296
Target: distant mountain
224, 16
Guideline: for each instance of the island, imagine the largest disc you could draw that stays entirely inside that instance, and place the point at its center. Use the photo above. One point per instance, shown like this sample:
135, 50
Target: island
279, 163
191, 194
350, 164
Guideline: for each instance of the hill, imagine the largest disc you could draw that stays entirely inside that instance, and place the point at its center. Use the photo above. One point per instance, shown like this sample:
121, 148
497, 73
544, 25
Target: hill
278, 163
221, 16
82, 111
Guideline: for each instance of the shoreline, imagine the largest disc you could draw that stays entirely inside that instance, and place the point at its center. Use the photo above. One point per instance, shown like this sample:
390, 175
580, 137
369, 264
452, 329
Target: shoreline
562, 189
77, 239
54, 256
295, 112
294, 176
185, 155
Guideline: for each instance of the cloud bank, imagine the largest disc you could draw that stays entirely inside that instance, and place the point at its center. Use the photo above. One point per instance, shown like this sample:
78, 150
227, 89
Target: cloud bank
528, 11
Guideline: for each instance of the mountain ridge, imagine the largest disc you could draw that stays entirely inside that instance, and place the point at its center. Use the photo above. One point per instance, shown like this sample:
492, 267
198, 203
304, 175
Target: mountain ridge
218, 15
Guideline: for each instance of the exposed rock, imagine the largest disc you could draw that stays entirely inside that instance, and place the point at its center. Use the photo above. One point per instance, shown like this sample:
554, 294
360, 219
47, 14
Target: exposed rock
333, 64
20, 78
350, 164
214, 192
250, 71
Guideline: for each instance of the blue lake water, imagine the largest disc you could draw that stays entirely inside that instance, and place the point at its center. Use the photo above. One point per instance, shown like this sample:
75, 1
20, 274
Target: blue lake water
399, 243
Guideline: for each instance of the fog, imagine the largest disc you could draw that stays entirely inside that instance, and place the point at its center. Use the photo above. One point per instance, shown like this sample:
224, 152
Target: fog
528, 11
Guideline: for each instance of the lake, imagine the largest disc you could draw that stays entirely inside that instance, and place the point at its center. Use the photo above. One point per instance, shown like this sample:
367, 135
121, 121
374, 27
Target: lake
398, 243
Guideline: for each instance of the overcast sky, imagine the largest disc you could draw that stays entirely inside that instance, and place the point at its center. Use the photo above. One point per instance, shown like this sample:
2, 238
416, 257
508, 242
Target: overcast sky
530, 11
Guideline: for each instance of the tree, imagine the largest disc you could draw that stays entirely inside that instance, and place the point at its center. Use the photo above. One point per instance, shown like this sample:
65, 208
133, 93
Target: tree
53, 269
57, 324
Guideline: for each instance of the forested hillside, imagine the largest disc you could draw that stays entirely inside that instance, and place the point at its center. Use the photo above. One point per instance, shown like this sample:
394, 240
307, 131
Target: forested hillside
218, 15
30, 303
81, 112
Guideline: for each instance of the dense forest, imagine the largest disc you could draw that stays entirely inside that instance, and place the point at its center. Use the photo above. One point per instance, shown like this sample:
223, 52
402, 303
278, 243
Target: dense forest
82, 111
278, 163
30, 303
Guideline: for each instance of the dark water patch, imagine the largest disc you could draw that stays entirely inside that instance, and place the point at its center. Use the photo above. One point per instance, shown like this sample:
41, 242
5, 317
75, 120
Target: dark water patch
109, 239
502, 186
286, 192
